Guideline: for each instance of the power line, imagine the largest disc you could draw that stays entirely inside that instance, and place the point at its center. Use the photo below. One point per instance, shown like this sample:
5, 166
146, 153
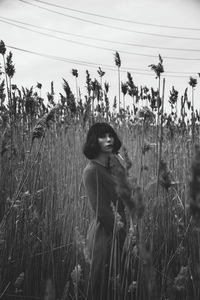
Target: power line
99, 47
88, 64
98, 39
117, 19
63, 59
110, 26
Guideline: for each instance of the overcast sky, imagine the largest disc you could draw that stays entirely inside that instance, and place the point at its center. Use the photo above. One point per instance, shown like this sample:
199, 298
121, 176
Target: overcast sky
87, 34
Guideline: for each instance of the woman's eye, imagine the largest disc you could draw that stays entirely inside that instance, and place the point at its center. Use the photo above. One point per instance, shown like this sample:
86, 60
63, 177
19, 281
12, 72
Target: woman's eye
104, 136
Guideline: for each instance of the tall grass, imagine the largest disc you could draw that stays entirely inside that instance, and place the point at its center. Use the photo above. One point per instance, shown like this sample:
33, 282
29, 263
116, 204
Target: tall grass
43, 235
45, 212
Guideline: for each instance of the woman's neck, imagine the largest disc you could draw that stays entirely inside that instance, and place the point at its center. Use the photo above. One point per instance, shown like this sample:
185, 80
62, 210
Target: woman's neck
103, 159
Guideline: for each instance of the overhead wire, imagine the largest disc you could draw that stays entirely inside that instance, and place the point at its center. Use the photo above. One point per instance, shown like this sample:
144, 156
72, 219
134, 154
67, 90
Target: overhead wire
111, 26
63, 59
117, 19
99, 39
99, 47
88, 64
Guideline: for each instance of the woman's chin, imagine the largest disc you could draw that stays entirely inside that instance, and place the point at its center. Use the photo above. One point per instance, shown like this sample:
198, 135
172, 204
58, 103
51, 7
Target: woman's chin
109, 150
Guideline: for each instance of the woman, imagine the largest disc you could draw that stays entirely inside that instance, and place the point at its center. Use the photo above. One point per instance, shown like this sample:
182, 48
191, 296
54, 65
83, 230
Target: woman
108, 191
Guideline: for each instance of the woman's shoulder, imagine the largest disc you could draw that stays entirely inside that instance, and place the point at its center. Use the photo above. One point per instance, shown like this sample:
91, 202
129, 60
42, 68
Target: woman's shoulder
89, 169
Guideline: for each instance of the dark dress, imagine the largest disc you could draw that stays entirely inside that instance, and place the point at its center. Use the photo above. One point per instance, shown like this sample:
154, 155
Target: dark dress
106, 233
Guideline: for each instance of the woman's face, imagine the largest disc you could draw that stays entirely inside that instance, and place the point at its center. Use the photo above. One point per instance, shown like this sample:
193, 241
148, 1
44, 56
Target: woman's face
106, 142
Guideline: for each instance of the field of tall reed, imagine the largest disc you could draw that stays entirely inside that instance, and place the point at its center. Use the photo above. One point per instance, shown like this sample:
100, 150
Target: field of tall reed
44, 211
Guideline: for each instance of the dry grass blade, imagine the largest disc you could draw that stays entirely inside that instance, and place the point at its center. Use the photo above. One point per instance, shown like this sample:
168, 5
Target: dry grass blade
43, 124
49, 291
181, 280
164, 175
195, 188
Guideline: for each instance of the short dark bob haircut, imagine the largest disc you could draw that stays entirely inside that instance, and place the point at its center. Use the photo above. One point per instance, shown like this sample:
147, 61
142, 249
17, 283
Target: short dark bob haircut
91, 148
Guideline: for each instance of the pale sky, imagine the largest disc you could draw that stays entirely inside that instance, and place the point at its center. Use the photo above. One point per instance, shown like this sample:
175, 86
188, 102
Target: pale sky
75, 30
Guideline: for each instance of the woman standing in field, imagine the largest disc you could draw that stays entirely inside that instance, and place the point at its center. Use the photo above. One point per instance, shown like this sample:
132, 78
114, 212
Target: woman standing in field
108, 191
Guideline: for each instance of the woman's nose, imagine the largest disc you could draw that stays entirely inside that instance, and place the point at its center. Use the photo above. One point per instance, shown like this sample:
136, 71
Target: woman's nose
108, 137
